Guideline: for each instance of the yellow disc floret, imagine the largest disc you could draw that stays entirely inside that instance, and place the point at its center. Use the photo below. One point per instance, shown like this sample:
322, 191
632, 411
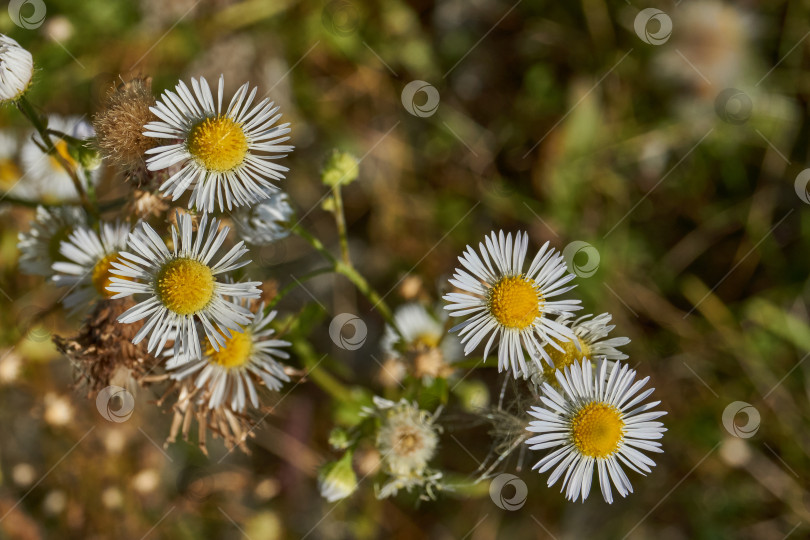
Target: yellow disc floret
185, 286
101, 275
236, 351
564, 359
218, 143
514, 302
597, 430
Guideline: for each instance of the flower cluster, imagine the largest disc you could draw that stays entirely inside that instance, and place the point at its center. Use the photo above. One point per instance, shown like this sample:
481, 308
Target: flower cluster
165, 279
591, 416
160, 278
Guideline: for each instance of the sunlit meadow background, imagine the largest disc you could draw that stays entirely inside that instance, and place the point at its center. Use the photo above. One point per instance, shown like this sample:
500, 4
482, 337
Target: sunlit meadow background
554, 117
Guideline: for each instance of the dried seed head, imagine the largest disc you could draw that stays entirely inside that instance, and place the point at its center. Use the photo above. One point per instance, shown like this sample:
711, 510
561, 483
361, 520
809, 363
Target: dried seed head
120, 125
102, 352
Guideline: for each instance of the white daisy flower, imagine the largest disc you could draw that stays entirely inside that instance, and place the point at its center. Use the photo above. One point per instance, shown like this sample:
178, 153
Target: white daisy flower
263, 223
598, 421
39, 247
16, 69
590, 343
227, 156
182, 286
44, 177
89, 256
407, 441
424, 342
510, 304
229, 375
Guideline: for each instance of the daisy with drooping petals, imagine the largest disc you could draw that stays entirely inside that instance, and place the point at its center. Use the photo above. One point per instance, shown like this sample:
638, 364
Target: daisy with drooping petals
510, 304
89, 259
16, 69
590, 343
229, 375
226, 156
598, 420
182, 286
39, 247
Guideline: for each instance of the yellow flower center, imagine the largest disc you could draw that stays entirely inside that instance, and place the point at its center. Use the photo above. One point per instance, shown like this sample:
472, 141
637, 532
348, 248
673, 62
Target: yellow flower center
185, 286
597, 430
101, 275
564, 359
514, 302
218, 143
236, 351
62, 149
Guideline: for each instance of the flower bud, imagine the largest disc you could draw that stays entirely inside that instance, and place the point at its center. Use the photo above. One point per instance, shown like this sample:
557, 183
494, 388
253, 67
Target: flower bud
337, 479
340, 169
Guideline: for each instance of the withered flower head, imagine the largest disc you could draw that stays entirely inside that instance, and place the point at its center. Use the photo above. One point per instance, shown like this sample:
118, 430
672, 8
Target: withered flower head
120, 126
102, 352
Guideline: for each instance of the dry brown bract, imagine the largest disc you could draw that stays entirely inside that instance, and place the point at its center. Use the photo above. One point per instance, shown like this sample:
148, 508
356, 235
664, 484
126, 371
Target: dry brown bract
192, 405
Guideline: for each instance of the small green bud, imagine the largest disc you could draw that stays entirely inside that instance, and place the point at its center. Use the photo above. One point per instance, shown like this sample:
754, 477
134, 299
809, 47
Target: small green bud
473, 395
340, 169
337, 479
339, 439
86, 155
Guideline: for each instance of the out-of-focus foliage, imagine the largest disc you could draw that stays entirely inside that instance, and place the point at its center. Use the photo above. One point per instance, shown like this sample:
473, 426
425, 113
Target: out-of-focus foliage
554, 117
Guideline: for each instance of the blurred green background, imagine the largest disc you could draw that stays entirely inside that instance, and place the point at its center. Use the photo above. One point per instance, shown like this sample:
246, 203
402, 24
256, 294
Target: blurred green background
554, 117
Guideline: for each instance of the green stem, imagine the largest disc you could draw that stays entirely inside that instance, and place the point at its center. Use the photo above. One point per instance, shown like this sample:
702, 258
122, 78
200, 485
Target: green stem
365, 289
340, 221
319, 376
349, 272
28, 111
6, 198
